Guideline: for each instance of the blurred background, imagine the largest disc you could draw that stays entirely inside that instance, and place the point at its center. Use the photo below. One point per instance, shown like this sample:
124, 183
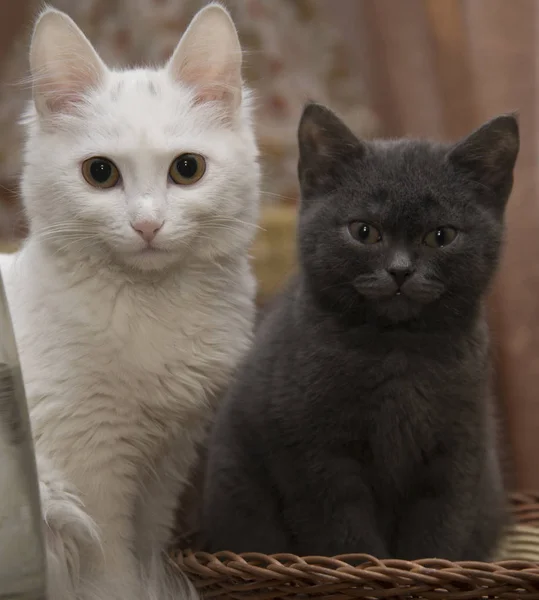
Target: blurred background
435, 68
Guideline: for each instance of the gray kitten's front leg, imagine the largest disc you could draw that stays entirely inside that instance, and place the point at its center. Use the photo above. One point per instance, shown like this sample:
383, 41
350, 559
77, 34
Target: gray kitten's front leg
240, 512
457, 515
330, 509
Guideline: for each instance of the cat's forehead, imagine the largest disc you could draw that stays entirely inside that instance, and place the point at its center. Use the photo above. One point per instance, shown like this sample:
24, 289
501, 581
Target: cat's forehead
407, 171
403, 160
405, 184
149, 100
144, 83
143, 108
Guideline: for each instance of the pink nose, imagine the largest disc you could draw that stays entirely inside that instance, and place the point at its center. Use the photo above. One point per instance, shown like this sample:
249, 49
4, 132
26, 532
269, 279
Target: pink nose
147, 229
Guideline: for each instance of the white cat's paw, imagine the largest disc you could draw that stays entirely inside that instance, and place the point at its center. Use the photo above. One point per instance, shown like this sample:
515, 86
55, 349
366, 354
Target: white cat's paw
163, 580
71, 535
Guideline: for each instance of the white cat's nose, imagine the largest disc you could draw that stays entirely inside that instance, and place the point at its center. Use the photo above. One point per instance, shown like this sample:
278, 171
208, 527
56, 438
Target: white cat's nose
147, 229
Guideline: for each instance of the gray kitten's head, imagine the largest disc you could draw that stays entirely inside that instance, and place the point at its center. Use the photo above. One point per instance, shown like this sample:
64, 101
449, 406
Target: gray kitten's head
401, 230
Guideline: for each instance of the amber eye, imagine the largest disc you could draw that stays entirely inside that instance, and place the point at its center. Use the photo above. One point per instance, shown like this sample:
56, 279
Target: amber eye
187, 169
364, 233
438, 238
100, 172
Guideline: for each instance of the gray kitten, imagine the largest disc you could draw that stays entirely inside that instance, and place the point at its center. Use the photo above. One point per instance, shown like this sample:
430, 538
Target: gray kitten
361, 419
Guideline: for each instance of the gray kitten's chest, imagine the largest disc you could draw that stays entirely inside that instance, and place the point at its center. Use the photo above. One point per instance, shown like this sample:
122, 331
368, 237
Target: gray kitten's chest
391, 410
393, 427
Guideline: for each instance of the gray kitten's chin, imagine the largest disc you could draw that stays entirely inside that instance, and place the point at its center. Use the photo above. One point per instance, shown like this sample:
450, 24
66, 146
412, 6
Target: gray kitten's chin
400, 304
398, 308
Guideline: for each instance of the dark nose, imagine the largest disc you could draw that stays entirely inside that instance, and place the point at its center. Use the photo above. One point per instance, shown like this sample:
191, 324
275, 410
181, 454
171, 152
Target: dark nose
400, 266
400, 274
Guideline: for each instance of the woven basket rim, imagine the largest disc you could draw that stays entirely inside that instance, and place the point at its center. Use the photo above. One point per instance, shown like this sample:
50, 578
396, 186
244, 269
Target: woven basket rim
258, 576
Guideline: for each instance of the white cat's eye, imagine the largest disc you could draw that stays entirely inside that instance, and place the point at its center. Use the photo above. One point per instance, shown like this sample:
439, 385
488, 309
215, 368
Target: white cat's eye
364, 232
187, 169
100, 172
440, 237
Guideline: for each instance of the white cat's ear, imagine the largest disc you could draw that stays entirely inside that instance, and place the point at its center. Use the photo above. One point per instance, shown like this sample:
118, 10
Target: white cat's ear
208, 58
63, 64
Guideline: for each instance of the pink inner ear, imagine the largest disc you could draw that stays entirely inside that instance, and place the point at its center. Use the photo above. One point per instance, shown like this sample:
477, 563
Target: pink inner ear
63, 102
212, 93
61, 93
209, 83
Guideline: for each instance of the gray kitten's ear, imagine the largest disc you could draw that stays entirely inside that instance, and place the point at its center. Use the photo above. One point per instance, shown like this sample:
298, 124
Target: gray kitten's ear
63, 64
322, 135
489, 154
326, 145
208, 58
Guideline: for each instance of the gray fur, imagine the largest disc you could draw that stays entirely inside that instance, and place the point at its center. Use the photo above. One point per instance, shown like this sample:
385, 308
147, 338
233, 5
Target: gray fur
361, 420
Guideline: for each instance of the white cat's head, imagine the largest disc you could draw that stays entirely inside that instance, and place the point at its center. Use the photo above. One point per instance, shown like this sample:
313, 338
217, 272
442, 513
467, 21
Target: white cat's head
145, 167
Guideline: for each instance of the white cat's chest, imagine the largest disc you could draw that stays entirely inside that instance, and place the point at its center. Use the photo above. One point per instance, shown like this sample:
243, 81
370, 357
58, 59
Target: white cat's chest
111, 340
136, 335
144, 361
121, 377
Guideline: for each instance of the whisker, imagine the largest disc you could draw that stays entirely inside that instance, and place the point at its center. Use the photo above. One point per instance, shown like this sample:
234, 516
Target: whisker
278, 196
218, 219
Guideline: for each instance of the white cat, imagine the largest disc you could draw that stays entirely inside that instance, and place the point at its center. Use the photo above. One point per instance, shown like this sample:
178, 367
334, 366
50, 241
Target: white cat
132, 298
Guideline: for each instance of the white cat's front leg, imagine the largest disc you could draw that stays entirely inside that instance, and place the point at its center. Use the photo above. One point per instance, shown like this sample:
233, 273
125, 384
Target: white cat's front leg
71, 535
155, 521
83, 563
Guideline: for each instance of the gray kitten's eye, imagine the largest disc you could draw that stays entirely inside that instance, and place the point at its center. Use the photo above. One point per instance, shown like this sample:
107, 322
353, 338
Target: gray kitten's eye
100, 172
364, 233
440, 237
187, 169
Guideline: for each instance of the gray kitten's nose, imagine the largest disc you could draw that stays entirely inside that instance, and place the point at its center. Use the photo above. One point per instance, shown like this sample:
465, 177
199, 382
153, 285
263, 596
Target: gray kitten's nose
147, 229
400, 274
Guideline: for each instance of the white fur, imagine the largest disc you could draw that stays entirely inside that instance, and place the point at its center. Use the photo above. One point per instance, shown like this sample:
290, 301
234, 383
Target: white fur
123, 351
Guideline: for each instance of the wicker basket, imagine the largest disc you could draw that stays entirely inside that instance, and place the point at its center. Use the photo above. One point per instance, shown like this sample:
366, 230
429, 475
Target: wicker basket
256, 576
